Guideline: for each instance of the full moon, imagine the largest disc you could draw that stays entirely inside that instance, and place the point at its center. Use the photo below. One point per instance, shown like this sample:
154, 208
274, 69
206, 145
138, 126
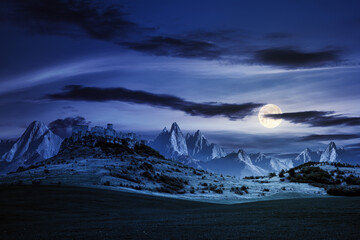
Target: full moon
269, 122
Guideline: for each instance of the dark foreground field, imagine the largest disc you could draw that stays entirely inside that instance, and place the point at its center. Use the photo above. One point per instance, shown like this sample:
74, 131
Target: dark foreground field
48, 212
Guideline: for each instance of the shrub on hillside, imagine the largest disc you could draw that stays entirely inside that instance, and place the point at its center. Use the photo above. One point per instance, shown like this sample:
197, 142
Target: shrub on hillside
171, 184
147, 151
239, 191
146, 166
244, 188
352, 180
113, 149
292, 172
249, 177
271, 175
310, 175
344, 191
36, 181
147, 175
124, 176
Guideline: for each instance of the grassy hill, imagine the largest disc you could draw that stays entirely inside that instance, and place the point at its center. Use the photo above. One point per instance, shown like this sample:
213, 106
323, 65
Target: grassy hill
58, 212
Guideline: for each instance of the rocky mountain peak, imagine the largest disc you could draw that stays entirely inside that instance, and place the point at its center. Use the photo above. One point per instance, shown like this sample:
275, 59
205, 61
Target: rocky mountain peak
175, 127
330, 154
37, 143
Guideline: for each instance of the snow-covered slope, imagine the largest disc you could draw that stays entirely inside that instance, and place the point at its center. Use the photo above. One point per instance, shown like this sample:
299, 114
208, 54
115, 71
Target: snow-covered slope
270, 164
200, 148
37, 143
307, 156
279, 164
171, 143
236, 164
330, 154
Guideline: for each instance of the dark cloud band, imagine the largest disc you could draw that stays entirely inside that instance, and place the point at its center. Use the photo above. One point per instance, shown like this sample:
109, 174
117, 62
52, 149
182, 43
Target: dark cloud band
317, 118
293, 58
94, 94
329, 137
75, 18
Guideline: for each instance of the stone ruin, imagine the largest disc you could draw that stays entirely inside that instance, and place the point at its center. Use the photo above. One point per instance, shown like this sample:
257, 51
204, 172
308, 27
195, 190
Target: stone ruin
79, 132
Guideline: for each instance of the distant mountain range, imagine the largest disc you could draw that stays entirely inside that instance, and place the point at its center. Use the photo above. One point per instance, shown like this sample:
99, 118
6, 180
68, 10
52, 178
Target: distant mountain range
194, 150
331, 154
234, 164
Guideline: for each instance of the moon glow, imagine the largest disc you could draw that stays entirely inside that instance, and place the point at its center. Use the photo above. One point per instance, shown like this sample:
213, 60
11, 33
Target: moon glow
269, 122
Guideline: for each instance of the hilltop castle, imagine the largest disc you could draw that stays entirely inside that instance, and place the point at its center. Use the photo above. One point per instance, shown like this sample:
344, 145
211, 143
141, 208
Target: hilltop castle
108, 133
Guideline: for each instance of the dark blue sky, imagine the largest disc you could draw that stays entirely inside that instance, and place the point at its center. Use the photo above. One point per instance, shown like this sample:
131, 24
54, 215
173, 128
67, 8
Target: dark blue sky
208, 65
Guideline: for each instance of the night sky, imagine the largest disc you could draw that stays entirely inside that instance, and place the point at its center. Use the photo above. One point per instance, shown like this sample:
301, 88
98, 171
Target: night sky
207, 65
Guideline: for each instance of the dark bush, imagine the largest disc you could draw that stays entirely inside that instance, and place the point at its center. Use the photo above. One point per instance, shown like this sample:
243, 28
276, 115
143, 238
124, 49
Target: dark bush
124, 176
249, 177
36, 181
344, 191
271, 175
282, 173
146, 166
172, 184
113, 148
244, 188
148, 175
147, 151
218, 191
20, 169
292, 172
236, 190
352, 180
311, 175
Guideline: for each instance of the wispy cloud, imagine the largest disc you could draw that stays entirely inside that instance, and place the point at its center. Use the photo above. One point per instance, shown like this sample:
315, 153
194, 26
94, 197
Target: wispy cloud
177, 47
